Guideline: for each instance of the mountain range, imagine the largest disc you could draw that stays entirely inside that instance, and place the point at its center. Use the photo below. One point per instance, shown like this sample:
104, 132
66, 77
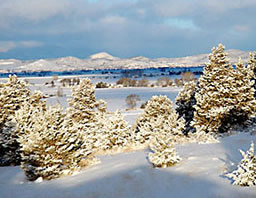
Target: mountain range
104, 60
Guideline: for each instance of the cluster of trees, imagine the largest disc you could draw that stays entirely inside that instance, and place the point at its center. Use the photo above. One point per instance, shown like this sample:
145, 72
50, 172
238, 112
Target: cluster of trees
222, 98
163, 81
64, 82
70, 81
50, 142
128, 82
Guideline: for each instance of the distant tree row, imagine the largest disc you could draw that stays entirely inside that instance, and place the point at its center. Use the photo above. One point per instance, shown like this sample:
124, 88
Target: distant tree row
163, 81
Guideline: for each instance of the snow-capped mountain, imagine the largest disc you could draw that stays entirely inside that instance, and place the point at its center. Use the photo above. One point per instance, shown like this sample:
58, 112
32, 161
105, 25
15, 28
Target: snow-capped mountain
104, 60
103, 55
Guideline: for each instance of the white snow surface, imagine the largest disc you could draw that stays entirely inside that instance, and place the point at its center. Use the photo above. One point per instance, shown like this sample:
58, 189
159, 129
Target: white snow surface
200, 174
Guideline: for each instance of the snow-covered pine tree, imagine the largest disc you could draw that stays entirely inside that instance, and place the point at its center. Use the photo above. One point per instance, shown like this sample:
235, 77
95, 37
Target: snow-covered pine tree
102, 131
168, 133
158, 117
83, 106
50, 145
218, 98
111, 132
24, 117
242, 98
245, 174
252, 67
118, 132
212, 98
163, 152
185, 102
13, 95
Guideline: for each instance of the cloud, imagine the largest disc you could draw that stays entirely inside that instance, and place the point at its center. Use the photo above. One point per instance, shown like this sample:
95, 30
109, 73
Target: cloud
6, 46
13, 11
242, 28
29, 44
126, 27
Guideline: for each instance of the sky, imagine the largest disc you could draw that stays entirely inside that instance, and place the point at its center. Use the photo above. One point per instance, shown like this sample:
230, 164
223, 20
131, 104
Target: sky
33, 29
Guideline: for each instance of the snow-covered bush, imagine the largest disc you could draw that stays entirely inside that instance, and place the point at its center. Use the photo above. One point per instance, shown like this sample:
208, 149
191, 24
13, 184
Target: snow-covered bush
224, 96
163, 152
13, 95
185, 102
245, 174
158, 117
50, 145
201, 137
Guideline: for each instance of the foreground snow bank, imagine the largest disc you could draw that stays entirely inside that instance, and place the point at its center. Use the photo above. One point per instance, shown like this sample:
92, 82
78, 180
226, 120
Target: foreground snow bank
199, 174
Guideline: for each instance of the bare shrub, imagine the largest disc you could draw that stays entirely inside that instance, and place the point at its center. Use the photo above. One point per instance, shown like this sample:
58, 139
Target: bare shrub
59, 92
143, 83
127, 82
164, 81
102, 85
187, 76
178, 82
131, 101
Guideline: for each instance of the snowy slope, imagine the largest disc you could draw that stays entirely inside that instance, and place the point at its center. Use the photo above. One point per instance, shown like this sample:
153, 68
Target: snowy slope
130, 175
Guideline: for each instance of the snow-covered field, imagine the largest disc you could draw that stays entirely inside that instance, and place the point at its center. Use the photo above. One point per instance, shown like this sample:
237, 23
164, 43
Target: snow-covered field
115, 98
200, 174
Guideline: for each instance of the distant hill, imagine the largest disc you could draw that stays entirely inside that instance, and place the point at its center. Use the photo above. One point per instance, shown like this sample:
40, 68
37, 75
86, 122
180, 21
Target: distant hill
104, 60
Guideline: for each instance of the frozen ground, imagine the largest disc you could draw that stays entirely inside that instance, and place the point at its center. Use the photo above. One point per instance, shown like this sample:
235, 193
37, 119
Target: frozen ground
200, 174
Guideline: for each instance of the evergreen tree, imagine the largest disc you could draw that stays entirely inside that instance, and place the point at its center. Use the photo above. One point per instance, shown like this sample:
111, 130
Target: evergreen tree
242, 98
163, 153
118, 132
50, 145
252, 67
83, 107
55, 142
245, 174
13, 95
110, 132
167, 135
223, 97
102, 130
185, 102
158, 117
